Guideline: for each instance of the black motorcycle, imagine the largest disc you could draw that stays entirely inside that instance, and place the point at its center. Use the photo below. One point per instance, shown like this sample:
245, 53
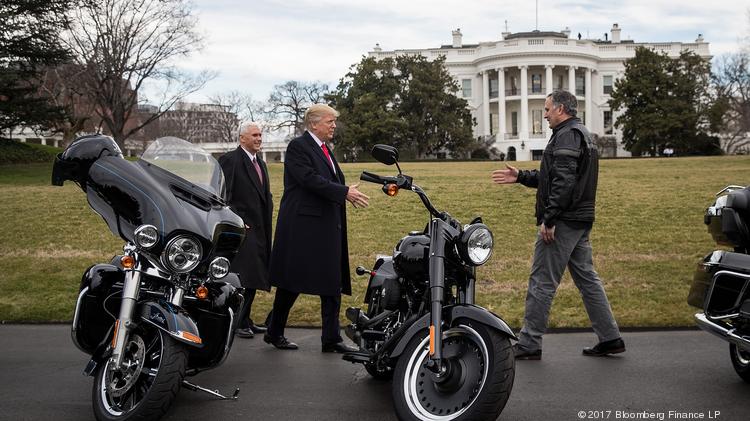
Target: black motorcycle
449, 358
166, 307
721, 285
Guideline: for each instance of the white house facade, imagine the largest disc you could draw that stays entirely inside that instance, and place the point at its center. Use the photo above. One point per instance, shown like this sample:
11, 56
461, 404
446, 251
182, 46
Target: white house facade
506, 82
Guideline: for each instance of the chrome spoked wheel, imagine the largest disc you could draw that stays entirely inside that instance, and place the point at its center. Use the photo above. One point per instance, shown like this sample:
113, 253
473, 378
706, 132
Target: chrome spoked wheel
476, 384
146, 383
741, 361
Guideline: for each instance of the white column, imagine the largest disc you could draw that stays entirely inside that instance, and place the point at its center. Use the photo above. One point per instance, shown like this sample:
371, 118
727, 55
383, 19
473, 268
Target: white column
524, 132
548, 78
486, 103
283, 156
264, 156
589, 105
572, 80
501, 103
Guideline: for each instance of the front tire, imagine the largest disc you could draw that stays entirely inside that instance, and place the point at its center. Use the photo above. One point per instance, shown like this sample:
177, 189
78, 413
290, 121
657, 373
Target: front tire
479, 383
740, 361
154, 367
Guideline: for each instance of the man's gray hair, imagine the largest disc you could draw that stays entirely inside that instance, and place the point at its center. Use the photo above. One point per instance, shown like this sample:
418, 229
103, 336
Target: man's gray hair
316, 112
567, 100
246, 125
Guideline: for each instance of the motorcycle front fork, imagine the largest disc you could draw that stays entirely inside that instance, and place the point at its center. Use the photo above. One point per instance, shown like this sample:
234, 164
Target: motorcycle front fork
131, 287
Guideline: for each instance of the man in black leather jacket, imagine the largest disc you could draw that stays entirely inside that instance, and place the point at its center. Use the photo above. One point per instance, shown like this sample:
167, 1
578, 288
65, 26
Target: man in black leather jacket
565, 201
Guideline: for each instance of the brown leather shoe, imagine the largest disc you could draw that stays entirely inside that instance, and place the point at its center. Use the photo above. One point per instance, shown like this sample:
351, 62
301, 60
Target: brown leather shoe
280, 342
615, 346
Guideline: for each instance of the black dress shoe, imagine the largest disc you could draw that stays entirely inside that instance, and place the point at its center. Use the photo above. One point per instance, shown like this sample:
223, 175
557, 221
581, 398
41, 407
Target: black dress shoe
257, 329
338, 347
244, 333
615, 346
279, 342
524, 354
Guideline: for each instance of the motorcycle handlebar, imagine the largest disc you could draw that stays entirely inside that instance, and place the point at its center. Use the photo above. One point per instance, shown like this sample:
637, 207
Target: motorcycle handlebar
371, 178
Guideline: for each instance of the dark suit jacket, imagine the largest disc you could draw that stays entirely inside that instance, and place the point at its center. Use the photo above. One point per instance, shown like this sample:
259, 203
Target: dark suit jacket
253, 202
310, 252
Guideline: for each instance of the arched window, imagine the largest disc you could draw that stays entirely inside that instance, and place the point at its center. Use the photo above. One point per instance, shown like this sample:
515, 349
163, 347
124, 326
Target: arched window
511, 153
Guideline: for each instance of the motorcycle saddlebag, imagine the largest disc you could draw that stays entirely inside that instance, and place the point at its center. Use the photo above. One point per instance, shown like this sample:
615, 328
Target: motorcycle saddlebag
720, 284
728, 219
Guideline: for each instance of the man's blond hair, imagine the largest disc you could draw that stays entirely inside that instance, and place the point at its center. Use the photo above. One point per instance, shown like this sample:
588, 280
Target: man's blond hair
316, 112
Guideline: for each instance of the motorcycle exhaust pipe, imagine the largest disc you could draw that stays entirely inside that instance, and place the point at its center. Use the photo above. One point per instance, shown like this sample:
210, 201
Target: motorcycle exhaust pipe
722, 332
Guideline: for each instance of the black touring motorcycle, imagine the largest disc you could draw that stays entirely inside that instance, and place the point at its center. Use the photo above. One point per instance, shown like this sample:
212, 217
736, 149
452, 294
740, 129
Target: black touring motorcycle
449, 358
165, 308
721, 285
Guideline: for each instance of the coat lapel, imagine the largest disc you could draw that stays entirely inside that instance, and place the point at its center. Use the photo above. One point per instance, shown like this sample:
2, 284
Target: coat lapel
250, 171
318, 151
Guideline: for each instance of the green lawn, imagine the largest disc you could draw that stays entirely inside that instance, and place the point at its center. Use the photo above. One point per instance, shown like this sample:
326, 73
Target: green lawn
648, 236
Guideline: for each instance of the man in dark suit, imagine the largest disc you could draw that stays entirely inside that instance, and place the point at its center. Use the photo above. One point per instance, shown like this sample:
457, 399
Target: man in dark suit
310, 253
249, 196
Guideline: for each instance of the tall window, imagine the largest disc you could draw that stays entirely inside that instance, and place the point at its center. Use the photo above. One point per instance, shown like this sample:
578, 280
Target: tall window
607, 122
559, 84
580, 85
493, 88
607, 84
466, 88
513, 86
514, 123
536, 84
536, 119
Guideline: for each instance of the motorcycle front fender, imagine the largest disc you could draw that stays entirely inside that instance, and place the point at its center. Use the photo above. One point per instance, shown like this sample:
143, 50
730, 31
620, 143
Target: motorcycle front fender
450, 315
171, 319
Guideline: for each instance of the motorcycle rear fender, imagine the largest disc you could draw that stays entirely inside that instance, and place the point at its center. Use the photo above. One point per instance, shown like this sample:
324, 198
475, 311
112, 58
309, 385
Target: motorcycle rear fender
173, 320
450, 314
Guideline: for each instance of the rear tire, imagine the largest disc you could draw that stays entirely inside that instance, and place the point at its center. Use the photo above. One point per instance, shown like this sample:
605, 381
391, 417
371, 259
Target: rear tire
478, 388
740, 361
144, 390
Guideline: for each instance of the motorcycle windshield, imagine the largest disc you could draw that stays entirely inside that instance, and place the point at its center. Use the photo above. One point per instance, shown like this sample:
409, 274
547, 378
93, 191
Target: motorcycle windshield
187, 161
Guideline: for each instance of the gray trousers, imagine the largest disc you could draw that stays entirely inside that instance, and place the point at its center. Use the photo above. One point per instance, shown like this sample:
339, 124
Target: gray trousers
571, 248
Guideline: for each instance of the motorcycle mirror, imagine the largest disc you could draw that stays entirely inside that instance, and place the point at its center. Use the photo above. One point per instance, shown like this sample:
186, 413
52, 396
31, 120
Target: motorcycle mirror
385, 154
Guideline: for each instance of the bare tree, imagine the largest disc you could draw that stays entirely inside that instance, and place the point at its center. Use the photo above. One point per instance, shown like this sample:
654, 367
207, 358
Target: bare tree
289, 101
61, 87
124, 44
732, 83
241, 108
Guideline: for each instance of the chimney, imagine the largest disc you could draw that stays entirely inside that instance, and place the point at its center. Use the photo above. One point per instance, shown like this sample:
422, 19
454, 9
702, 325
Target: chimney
377, 48
457, 38
566, 32
700, 38
615, 33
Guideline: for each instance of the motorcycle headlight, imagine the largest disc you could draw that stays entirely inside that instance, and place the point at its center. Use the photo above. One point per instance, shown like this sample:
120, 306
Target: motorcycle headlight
146, 236
219, 267
475, 244
182, 254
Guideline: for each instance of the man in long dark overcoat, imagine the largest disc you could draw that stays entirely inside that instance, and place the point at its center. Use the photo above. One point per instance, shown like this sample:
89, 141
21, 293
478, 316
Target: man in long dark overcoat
310, 253
249, 196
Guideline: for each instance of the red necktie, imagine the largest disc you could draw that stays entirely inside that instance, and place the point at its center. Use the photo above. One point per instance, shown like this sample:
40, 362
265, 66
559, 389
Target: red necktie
328, 156
257, 170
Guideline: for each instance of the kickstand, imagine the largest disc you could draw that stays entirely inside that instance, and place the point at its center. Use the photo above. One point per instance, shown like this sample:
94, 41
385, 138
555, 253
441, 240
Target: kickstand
215, 393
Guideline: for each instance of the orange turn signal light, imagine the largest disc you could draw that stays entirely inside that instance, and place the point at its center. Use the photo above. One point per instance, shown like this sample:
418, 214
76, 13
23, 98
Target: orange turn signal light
390, 189
201, 292
127, 262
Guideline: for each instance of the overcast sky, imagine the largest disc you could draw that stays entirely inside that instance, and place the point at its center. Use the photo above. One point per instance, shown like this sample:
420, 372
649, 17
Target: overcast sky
254, 45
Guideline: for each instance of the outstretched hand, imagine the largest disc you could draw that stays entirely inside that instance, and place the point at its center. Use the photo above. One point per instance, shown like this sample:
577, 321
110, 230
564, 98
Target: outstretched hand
356, 197
507, 175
